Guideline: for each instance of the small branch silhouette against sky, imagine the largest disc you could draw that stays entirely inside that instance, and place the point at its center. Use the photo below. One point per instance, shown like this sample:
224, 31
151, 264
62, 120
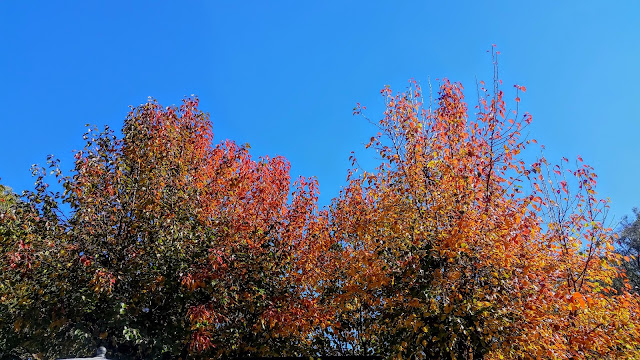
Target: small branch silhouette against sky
284, 76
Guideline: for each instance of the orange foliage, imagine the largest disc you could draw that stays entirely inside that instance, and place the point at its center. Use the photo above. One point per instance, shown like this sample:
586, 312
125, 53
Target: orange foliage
456, 248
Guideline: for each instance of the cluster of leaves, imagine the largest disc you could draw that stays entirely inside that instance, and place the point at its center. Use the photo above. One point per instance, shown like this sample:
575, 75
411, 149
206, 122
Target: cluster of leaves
453, 247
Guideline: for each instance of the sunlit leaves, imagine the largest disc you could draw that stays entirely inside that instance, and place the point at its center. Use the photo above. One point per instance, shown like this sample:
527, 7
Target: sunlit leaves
455, 247
175, 245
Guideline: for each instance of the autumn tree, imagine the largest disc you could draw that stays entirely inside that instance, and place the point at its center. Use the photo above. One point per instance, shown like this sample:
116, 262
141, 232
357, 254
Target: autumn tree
174, 247
456, 247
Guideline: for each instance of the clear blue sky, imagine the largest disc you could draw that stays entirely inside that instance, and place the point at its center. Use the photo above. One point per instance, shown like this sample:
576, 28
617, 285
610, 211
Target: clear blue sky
285, 75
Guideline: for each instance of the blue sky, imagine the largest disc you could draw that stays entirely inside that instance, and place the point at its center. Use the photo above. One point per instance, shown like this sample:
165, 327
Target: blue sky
284, 76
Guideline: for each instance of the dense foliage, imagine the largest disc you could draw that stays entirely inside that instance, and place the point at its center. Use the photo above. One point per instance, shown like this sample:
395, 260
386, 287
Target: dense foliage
629, 235
454, 247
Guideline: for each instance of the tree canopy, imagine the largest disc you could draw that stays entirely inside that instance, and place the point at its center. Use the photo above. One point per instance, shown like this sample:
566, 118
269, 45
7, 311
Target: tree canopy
455, 246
